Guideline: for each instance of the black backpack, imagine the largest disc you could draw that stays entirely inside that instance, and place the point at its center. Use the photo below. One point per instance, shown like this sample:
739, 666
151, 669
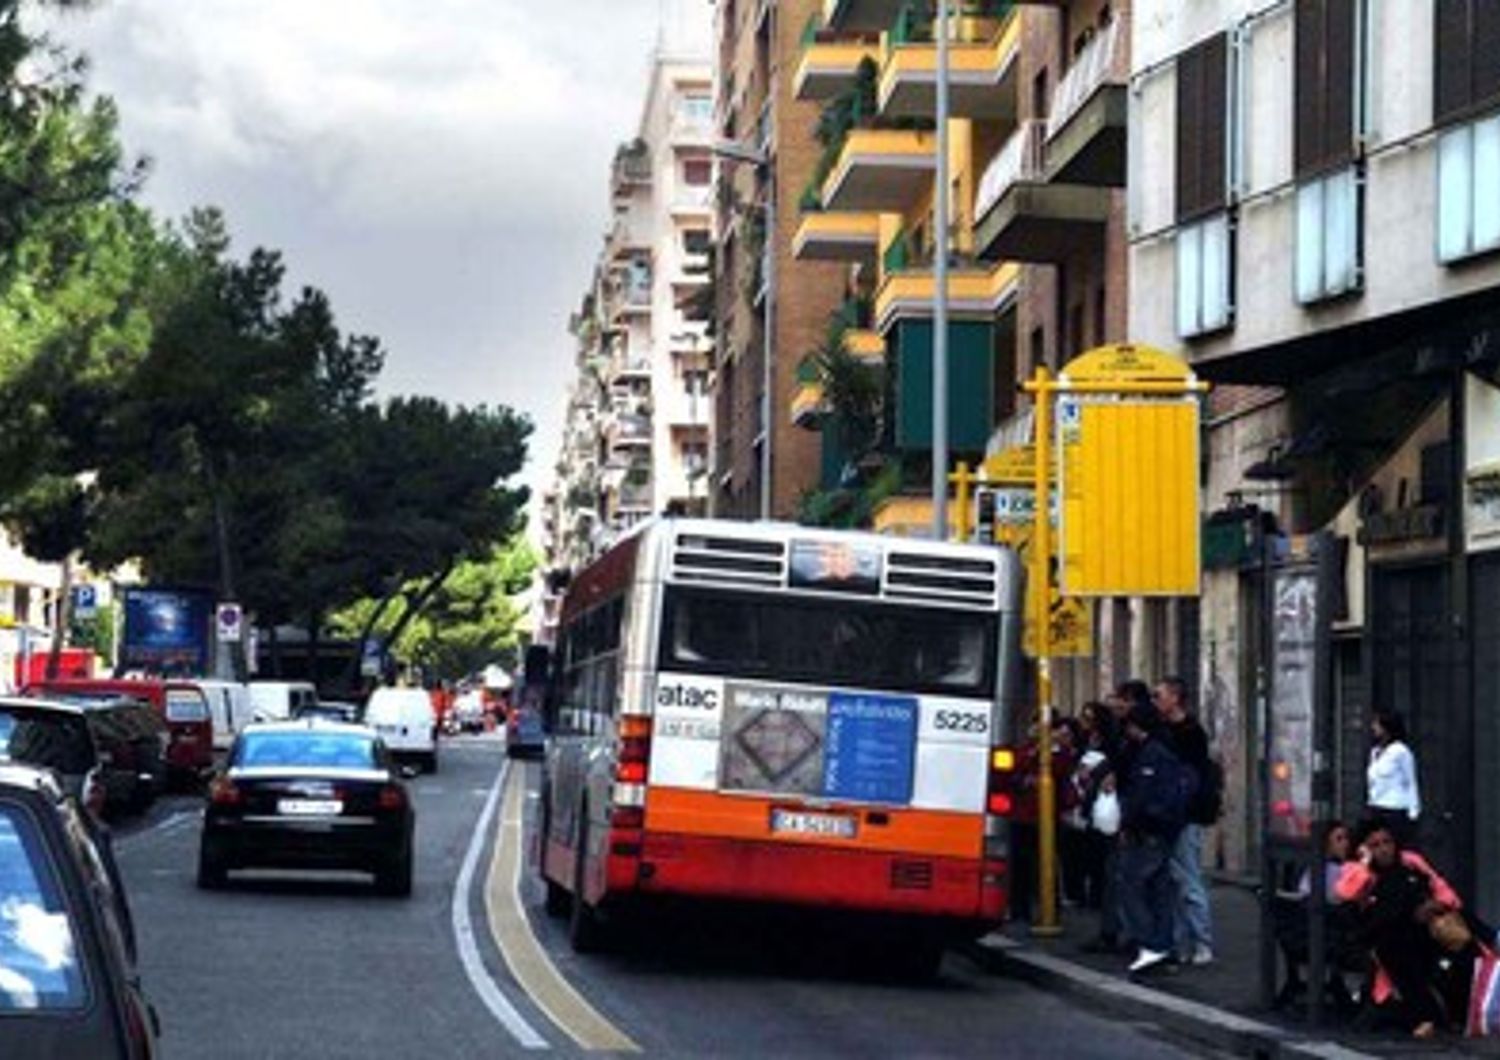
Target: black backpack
1168, 786
1207, 805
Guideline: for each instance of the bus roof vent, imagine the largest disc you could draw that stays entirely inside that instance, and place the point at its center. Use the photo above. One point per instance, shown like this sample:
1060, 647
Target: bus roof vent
941, 579
728, 560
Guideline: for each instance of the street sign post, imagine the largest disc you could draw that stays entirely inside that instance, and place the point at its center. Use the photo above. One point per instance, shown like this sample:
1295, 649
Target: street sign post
229, 623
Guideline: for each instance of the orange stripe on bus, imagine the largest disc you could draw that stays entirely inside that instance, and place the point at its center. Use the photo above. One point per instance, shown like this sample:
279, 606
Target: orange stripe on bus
937, 833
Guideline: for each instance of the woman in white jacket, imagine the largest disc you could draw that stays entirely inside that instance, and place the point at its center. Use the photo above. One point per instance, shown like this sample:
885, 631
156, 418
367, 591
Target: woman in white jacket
1391, 778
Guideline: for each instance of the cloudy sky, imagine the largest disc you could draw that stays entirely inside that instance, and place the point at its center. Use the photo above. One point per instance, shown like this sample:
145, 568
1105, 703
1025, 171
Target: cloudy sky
438, 166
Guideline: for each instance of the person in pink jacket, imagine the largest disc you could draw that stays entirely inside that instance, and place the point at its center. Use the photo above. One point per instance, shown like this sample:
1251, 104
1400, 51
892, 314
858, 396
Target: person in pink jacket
1399, 895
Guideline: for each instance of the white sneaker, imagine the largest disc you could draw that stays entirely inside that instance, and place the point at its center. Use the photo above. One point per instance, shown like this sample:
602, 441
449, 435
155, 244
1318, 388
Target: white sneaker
1202, 955
1146, 959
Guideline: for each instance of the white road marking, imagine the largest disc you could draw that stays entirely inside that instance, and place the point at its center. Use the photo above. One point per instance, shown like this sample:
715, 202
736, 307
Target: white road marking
463, 932
170, 823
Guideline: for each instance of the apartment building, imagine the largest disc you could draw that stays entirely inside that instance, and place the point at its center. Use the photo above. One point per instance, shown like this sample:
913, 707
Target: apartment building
771, 308
636, 433
1314, 217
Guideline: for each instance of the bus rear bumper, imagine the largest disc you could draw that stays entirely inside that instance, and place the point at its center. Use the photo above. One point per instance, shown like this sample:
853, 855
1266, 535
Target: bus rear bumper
804, 874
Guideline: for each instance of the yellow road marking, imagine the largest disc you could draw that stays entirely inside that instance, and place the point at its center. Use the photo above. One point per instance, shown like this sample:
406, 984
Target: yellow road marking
523, 954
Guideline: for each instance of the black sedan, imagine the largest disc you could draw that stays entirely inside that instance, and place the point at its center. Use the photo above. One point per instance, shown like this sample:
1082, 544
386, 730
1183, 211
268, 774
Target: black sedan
308, 795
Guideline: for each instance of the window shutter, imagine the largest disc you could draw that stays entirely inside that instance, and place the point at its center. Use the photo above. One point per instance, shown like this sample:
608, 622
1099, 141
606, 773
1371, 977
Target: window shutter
1338, 83
1308, 87
1189, 133
1202, 123
1485, 56
1454, 63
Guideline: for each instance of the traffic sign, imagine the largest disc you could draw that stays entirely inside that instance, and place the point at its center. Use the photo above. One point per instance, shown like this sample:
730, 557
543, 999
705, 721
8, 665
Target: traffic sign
85, 601
229, 622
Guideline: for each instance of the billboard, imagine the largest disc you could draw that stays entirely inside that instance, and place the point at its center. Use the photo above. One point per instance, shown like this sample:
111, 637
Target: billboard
167, 630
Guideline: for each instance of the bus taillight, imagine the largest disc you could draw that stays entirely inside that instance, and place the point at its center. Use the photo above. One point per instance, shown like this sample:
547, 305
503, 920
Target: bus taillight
635, 750
1000, 802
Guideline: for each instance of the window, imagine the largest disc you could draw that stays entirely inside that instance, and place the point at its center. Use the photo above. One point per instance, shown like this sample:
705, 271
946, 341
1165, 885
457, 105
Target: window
695, 241
1205, 238
313, 749
39, 966
830, 642
590, 665
1205, 267
1325, 88
697, 172
696, 108
695, 382
1466, 67
1329, 259
1469, 190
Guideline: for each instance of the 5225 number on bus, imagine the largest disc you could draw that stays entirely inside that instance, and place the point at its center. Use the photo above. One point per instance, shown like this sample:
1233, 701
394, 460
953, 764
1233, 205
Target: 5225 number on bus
961, 721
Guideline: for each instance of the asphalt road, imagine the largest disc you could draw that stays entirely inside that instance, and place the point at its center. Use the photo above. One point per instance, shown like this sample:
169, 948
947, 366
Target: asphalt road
284, 966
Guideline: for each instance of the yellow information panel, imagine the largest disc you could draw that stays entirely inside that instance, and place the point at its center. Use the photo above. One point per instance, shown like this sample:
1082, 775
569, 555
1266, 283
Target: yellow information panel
1130, 518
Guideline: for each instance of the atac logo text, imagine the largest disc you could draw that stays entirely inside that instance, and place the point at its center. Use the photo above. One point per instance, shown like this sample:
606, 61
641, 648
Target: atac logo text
686, 697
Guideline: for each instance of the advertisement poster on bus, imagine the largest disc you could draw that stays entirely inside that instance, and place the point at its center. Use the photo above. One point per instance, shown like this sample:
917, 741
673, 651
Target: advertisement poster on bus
167, 630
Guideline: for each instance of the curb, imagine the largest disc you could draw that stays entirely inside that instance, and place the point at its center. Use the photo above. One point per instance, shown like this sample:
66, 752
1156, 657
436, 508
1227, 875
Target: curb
1204, 1024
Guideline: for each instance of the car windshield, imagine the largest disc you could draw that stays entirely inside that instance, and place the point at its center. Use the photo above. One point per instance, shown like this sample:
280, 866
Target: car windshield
47, 738
337, 750
882, 646
38, 956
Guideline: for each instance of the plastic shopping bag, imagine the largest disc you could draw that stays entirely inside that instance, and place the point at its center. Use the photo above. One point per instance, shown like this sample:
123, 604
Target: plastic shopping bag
1106, 814
1484, 999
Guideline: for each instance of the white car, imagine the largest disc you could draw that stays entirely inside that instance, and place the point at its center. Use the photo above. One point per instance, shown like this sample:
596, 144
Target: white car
280, 700
405, 721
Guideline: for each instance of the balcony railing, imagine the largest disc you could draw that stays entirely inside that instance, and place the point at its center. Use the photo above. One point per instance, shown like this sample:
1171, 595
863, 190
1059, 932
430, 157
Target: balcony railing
1021, 159
632, 167
635, 495
1093, 67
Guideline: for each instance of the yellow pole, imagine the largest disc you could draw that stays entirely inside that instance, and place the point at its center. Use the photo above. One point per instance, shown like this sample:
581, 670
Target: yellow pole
1047, 922
962, 485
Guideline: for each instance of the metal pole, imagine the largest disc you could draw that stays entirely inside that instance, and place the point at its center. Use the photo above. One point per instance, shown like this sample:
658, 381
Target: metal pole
1046, 790
940, 299
768, 375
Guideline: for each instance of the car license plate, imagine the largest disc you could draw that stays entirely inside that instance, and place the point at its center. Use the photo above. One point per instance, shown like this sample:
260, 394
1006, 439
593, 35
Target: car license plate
798, 822
309, 807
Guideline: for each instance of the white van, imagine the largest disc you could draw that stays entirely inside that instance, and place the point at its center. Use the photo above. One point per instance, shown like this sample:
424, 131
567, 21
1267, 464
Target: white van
405, 721
278, 700
229, 707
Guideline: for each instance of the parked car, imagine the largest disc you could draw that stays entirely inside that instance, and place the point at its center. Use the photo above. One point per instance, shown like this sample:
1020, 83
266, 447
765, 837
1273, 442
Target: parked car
405, 720
308, 794
57, 737
131, 742
229, 708
181, 704
69, 986
329, 710
279, 700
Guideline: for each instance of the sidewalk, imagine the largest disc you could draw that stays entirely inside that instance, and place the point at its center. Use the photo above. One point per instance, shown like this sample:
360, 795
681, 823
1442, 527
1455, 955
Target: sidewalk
1218, 1005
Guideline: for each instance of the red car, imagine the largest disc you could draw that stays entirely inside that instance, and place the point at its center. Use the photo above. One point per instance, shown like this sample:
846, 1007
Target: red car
181, 704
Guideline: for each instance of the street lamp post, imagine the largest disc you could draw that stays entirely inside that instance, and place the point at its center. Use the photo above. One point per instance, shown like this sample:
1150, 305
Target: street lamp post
761, 160
940, 300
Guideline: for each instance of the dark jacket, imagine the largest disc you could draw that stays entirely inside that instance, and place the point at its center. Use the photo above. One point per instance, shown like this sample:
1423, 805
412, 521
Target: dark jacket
1138, 790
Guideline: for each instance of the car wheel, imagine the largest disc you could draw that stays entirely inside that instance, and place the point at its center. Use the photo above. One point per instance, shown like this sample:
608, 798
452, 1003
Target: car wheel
212, 875
394, 879
586, 932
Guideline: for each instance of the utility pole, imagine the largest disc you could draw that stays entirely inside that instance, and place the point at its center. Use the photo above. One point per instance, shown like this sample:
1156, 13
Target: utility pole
940, 300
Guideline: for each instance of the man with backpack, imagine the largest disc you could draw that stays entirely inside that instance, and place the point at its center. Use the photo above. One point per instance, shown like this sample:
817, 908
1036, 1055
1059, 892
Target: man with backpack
1154, 798
1192, 922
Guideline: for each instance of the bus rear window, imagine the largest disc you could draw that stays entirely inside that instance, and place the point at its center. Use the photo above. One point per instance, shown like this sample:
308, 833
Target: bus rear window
838, 643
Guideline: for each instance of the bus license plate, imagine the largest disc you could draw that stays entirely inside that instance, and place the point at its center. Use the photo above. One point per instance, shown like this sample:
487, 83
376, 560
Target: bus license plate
309, 807
799, 822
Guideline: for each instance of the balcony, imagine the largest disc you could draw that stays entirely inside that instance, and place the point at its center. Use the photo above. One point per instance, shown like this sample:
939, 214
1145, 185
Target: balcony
1023, 217
628, 370
629, 431
631, 170
872, 15
807, 405
692, 199
974, 292
634, 496
881, 171
831, 59
982, 63
1086, 132
623, 241
837, 237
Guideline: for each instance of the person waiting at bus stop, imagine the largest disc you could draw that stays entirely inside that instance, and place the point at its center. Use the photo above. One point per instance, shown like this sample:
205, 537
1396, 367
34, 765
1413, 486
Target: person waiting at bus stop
1025, 813
1153, 801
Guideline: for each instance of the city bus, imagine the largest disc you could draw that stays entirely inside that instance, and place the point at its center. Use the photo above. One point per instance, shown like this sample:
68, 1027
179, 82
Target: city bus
768, 713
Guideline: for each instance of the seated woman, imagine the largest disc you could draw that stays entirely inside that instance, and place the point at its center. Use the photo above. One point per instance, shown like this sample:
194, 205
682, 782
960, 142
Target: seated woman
1399, 896
1292, 929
